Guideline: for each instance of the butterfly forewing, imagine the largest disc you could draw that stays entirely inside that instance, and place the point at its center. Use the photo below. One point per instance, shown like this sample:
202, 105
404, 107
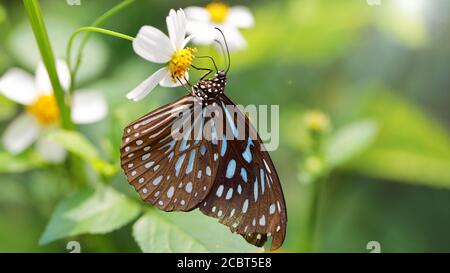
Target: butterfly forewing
247, 194
171, 173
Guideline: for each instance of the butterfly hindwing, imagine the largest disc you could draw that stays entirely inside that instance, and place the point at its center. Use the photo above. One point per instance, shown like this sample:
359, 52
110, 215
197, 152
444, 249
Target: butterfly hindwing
247, 195
173, 174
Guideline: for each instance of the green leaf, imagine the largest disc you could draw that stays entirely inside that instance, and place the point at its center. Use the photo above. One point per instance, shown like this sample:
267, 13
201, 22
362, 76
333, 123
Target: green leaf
411, 147
81, 146
90, 211
186, 232
404, 166
350, 141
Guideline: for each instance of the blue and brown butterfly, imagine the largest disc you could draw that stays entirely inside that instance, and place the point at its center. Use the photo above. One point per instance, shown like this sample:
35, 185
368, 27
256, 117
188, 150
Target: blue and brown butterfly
227, 176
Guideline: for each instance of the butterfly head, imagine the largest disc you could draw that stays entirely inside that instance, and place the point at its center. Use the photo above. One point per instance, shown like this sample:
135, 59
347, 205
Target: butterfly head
222, 75
208, 90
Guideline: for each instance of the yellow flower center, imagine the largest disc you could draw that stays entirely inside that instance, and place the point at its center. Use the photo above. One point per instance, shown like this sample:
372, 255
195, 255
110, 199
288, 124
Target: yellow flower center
218, 11
45, 110
180, 63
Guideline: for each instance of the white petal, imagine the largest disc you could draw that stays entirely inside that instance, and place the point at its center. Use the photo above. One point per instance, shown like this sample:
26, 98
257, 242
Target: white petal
153, 45
187, 40
147, 86
167, 81
21, 134
240, 17
176, 25
18, 85
197, 14
50, 150
234, 38
88, 106
203, 33
43, 84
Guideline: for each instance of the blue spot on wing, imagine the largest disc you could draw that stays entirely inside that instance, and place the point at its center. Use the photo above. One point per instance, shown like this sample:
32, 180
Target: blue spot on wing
191, 162
203, 150
231, 121
171, 155
261, 174
231, 168
183, 145
171, 145
213, 133
224, 146
247, 154
244, 174
179, 164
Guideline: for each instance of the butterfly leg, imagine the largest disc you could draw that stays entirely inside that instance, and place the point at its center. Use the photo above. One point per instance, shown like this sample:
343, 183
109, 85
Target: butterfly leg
186, 80
212, 60
203, 69
181, 83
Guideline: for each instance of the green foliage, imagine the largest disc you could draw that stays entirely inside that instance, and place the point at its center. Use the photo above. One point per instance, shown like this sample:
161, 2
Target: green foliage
7, 108
411, 146
186, 232
19, 163
349, 142
301, 55
2, 14
91, 211
79, 145
36, 19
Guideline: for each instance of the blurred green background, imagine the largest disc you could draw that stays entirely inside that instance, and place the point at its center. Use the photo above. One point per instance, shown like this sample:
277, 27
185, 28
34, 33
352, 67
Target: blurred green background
380, 72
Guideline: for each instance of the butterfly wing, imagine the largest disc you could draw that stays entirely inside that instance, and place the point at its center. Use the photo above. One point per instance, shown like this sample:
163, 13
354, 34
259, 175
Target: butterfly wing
173, 174
247, 194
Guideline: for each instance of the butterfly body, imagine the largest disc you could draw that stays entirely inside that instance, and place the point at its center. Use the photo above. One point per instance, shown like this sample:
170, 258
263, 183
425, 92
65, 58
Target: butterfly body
208, 90
181, 157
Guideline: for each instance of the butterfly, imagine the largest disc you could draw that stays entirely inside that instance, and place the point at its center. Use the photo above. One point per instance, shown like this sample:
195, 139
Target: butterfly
201, 152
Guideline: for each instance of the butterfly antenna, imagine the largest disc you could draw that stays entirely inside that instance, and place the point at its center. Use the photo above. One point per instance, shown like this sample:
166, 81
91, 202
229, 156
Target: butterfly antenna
226, 45
212, 60
223, 51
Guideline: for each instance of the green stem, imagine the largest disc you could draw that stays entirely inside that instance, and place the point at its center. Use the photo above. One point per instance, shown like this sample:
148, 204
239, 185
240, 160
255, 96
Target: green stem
40, 32
317, 195
83, 44
99, 30
93, 29
90, 29
37, 24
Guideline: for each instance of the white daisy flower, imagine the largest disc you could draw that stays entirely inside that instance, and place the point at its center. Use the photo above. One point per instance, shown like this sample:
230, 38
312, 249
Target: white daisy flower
42, 113
201, 22
155, 46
